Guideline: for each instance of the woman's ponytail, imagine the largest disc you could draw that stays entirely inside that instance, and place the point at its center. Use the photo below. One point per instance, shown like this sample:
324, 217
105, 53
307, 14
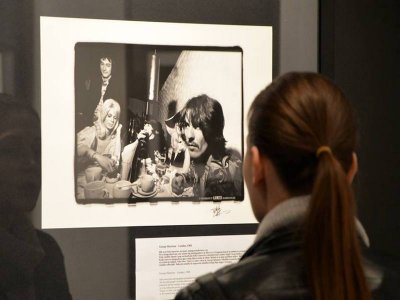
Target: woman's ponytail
332, 251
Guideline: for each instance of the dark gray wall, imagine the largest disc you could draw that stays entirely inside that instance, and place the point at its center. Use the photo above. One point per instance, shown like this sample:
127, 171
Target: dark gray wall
360, 50
16, 38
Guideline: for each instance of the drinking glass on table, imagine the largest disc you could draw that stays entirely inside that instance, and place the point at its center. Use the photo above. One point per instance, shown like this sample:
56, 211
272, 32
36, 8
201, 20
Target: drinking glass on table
161, 169
163, 157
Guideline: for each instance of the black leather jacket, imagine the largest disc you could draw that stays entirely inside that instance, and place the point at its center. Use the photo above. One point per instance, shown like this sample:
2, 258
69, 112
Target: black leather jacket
271, 269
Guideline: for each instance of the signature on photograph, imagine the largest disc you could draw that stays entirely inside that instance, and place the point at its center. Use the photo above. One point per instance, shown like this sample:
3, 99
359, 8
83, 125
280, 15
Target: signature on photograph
217, 211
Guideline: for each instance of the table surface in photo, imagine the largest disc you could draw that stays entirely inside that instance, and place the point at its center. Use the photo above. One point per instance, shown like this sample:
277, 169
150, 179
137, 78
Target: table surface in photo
164, 189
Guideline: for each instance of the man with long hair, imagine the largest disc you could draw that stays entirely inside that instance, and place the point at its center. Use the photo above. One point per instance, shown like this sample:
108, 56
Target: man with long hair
217, 172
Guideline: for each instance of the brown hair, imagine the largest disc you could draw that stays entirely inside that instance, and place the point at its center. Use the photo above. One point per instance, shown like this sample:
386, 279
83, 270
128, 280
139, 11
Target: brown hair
207, 114
288, 121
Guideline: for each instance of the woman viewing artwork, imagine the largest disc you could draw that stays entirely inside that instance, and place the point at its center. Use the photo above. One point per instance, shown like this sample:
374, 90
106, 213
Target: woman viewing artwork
298, 169
101, 143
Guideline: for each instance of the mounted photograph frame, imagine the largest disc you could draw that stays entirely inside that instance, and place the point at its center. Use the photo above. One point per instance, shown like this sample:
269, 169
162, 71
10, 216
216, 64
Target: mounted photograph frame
60, 37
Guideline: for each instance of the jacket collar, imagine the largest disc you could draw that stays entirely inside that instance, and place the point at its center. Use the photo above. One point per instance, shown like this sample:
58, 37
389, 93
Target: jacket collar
293, 211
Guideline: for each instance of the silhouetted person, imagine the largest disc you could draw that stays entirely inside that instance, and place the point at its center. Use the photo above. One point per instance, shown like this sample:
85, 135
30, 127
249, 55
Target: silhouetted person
31, 262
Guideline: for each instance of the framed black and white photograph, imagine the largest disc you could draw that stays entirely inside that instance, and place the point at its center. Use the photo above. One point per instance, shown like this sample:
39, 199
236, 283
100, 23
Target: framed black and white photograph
143, 123
158, 123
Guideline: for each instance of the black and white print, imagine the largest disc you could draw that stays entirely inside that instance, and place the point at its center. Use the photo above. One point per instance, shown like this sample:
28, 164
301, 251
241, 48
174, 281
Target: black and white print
155, 123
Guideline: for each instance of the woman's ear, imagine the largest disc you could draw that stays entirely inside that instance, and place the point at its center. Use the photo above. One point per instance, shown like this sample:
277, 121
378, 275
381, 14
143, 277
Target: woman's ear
257, 166
353, 168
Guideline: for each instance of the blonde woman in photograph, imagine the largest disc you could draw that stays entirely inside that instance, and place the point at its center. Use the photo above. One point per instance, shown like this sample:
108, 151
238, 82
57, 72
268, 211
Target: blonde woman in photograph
101, 143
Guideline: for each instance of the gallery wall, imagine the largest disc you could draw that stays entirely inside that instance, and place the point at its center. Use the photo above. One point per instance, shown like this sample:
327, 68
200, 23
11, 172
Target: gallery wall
360, 47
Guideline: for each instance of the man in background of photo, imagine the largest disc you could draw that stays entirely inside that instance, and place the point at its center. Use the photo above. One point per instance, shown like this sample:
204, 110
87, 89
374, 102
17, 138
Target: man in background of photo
94, 91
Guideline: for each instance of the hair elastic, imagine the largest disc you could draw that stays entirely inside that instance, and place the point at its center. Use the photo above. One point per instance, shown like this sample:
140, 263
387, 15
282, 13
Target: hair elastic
323, 149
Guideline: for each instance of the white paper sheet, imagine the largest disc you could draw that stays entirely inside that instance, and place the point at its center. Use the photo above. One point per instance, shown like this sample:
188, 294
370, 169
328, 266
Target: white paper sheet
165, 265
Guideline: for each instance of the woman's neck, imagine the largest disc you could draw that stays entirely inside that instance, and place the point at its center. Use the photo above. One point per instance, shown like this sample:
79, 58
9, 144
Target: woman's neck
275, 194
274, 189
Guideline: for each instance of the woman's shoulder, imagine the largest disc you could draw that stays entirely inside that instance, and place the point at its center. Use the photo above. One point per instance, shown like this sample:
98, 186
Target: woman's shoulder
87, 130
256, 277
382, 273
272, 268
264, 274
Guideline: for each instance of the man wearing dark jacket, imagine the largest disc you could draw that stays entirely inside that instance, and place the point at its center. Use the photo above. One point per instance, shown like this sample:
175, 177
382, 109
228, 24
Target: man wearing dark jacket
92, 92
